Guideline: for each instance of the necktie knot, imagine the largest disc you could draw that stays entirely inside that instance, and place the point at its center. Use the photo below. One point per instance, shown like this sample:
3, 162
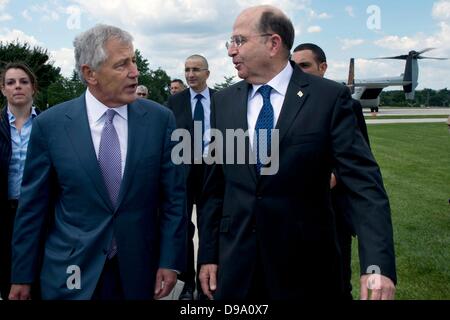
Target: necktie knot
110, 115
265, 91
199, 97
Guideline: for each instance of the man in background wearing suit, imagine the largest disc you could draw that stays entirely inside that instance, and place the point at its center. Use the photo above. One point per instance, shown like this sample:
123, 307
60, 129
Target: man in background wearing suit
176, 85
105, 160
311, 59
189, 106
260, 231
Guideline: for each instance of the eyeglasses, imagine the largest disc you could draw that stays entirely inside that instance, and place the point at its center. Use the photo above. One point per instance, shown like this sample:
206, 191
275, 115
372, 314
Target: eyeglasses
141, 94
238, 41
194, 70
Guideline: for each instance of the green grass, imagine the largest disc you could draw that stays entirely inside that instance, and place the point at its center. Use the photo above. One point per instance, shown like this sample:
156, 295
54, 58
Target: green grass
443, 116
415, 164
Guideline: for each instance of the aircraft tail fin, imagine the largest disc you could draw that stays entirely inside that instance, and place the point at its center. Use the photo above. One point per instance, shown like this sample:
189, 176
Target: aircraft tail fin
351, 75
410, 76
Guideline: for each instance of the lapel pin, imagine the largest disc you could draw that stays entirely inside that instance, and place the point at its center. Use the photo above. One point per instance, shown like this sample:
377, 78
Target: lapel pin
300, 94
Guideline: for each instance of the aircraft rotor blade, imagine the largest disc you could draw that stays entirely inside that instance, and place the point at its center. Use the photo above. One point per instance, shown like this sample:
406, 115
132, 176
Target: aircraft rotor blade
432, 58
425, 50
402, 57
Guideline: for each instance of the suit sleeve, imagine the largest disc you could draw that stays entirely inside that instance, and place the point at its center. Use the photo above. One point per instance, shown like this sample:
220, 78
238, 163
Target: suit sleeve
357, 108
34, 205
369, 204
170, 103
173, 216
210, 205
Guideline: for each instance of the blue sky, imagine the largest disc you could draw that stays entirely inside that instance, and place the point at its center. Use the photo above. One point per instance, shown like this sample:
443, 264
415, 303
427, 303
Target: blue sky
167, 31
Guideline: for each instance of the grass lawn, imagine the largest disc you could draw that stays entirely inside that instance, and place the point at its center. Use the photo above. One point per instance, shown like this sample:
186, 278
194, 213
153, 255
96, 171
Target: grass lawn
415, 163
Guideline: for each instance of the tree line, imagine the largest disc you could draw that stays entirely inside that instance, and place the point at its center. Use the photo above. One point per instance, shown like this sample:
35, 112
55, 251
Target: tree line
423, 98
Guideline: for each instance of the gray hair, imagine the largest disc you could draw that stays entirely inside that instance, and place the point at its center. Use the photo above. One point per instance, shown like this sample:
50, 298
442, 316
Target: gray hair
90, 46
142, 88
199, 57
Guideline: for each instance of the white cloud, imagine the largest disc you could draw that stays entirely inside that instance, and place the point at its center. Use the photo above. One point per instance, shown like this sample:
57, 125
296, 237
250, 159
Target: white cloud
5, 17
397, 43
48, 12
349, 43
441, 10
26, 15
349, 10
314, 29
315, 15
8, 35
440, 40
3, 4
64, 58
166, 32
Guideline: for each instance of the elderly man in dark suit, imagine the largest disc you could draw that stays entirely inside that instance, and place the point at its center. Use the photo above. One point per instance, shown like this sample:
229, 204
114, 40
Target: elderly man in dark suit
102, 164
268, 234
189, 106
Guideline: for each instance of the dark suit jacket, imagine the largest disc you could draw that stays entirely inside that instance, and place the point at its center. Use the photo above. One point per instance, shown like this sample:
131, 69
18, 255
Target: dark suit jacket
6, 221
180, 104
287, 218
339, 194
61, 159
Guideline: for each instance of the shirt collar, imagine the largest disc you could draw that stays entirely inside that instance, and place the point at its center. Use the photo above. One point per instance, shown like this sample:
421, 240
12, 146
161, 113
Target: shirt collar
12, 117
279, 83
204, 93
98, 109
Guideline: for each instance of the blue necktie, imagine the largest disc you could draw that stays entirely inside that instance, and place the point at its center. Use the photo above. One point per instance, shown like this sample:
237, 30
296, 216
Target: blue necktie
110, 161
264, 122
199, 115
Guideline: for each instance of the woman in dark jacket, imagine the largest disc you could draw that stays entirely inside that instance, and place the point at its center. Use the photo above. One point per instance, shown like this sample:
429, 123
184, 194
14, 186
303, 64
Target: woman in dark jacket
18, 85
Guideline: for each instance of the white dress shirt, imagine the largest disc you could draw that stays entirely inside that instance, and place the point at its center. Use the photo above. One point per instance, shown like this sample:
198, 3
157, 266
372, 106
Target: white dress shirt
96, 112
279, 86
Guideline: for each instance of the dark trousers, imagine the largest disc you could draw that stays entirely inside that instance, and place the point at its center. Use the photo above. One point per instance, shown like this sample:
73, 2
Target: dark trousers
194, 186
109, 286
6, 230
345, 245
258, 290
7, 217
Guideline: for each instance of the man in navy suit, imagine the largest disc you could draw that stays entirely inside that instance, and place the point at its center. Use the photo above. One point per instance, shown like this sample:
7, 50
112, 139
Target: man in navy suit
102, 163
189, 106
272, 235
311, 59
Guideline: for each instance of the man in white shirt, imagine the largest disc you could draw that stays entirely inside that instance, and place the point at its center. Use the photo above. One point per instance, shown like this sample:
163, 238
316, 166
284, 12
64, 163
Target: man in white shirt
102, 164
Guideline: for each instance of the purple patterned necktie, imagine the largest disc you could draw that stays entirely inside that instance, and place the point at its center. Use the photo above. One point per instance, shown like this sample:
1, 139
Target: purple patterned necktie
110, 161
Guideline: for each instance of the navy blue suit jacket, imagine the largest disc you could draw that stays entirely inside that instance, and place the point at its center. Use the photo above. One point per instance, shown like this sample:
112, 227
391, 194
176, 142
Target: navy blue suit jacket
62, 165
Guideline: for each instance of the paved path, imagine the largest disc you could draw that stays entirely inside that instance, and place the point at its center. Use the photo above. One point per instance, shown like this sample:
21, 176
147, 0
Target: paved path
409, 111
418, 120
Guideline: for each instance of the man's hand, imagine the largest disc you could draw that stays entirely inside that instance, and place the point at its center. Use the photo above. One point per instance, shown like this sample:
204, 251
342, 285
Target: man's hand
165, 281
208, 279
333, 181
20, 292
380, 287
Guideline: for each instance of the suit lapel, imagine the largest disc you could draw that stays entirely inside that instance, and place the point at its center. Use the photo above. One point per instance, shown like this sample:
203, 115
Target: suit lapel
240, 113
4, 125
296, 96
79, 132
137, 127
186, 111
